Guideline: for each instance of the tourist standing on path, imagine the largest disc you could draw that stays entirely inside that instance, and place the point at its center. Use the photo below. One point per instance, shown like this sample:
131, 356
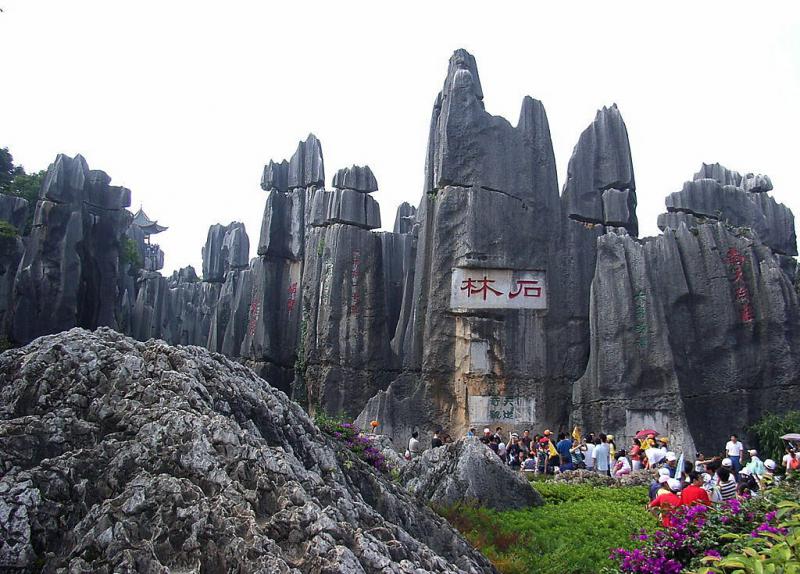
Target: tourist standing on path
636, 455
602, 456
589, 456
436, 442
733, 451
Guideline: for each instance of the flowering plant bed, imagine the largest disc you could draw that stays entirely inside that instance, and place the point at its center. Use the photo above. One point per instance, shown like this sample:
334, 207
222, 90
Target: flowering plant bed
351, 437
719, 539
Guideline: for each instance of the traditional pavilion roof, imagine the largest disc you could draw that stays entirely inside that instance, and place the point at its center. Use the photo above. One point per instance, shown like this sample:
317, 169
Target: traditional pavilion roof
149, 227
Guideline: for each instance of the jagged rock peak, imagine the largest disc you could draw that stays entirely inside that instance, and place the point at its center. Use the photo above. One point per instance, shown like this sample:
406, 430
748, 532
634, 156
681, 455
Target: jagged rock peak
69, 180
357, 178
757, 183
719, 173
276, 176
462, 60
306, 167
183, 275
600, 186
172, 459
405, 217
227, 247
469, 147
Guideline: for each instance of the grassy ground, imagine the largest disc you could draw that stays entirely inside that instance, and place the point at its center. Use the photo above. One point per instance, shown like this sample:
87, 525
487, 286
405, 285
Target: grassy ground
573, 533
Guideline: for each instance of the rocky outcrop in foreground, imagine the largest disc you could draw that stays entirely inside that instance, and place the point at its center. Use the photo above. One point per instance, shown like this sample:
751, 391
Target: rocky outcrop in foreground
468, 471
121, 456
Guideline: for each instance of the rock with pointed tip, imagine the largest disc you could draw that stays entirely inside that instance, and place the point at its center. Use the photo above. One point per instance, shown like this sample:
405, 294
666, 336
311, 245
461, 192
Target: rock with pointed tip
404, 218
601, 161
306, 167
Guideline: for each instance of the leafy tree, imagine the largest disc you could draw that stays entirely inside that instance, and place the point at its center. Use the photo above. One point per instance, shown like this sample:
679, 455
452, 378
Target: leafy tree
14, 181
8, 171
769, 429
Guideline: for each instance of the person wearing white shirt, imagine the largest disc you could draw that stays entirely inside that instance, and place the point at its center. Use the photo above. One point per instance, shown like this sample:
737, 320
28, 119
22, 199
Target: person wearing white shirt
733, 451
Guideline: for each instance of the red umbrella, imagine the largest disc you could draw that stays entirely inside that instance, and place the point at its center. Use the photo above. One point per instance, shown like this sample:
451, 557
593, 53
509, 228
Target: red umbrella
645, 432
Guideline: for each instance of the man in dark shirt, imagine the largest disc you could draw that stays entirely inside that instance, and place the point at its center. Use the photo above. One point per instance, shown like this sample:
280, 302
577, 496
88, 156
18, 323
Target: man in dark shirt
563, 447
436, 441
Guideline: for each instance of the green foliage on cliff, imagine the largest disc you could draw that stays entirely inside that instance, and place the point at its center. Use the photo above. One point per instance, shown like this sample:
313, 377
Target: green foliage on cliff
129, 254
769, 429
7, 231
14, 181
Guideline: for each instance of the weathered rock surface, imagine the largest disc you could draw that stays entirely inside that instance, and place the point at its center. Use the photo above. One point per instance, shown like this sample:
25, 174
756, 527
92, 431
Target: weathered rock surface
227, 247
14, 210
353, 208
357, 178
283, 228
345, 344
600, 163
306, 167
404, 218
468, 471
121, 456
276, 176
710, 198
686, 328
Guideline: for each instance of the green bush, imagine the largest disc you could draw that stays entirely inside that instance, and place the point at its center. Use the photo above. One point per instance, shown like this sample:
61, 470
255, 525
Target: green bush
767, 550
769, 429
573, 533
7, 230
129, 253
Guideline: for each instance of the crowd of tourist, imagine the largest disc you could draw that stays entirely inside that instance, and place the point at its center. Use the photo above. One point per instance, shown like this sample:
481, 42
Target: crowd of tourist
736, 472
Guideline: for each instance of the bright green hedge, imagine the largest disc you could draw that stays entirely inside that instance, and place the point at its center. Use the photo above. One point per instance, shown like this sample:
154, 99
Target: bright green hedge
573, 533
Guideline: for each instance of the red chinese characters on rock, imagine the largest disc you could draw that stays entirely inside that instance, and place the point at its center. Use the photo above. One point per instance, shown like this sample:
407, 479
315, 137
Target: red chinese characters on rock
482, 287
356, 298
292, 301
736, 262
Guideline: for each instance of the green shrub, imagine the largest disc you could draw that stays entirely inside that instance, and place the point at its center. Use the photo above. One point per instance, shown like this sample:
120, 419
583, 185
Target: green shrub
573, 533
129, 253
769, 429
766, 550
7, 230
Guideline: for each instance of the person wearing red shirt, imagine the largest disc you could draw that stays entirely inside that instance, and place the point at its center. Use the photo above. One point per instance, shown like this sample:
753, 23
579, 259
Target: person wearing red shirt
665, 504
695, 493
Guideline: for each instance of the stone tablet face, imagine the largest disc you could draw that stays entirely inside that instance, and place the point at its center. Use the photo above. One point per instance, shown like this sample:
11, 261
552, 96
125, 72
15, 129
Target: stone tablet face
473, 288
500, 409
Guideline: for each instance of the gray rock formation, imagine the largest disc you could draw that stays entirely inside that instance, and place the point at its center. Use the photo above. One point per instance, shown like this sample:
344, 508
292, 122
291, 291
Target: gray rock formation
13, 210
734, 205
357, 178
492, 203
353, 208
686, 328
600, 186
276, 176
467, 471
141, 457
306, 167
344, 350
69, 274
404, 218
226, 248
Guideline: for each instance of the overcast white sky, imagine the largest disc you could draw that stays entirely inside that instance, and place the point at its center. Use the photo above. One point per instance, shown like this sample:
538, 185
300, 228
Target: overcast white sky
184, 101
